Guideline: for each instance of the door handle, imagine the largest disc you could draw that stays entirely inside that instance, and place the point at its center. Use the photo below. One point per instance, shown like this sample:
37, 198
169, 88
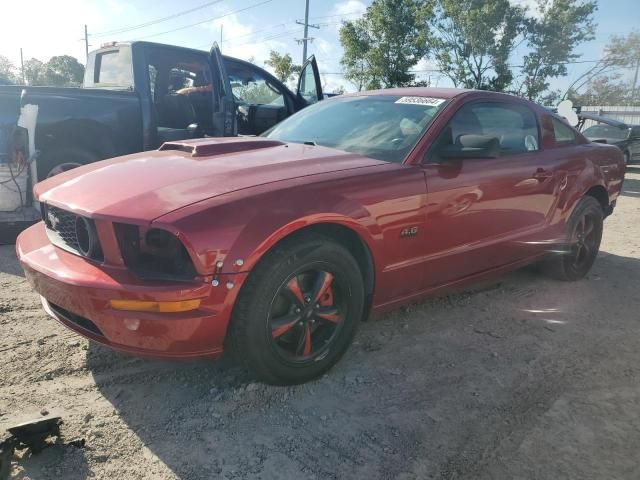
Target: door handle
542, 174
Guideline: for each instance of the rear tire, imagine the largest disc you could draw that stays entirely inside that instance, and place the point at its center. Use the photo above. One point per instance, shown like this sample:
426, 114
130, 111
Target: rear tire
298, 311
69, 157
582, 242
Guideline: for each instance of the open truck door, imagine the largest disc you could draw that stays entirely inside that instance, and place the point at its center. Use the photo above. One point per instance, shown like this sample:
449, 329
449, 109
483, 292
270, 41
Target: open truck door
309, 85
224, 105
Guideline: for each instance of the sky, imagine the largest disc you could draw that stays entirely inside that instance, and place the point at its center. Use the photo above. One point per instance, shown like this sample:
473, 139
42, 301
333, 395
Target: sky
250, 29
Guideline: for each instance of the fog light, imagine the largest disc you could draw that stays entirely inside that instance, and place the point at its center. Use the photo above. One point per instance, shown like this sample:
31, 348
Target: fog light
160, 307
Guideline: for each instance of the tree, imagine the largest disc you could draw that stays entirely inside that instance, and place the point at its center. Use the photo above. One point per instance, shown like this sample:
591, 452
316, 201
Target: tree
474, 41
7, 71
606, 90
621, 51
552, 38
282, 65
355, 62
34, 72
63, 71
383, 46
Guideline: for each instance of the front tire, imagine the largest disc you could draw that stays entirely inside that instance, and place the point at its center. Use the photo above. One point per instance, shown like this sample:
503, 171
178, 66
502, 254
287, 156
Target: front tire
298, 311
583, 235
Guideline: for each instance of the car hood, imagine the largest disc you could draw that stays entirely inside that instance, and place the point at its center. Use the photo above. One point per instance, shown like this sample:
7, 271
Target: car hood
145, 186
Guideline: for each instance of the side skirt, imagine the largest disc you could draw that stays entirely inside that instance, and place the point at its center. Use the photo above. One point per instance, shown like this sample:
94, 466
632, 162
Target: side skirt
432, 291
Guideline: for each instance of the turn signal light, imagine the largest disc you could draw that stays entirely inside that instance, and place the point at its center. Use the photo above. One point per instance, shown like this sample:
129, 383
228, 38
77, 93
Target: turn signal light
160, 307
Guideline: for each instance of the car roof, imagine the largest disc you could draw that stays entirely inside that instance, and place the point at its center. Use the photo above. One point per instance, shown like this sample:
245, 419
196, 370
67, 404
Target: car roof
417, 92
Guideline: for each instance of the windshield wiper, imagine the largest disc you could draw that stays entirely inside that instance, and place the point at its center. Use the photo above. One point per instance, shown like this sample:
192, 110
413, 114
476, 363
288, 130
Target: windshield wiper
310, 142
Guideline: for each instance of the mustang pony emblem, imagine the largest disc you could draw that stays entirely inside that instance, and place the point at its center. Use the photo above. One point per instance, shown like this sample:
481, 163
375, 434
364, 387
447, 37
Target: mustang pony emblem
53, 220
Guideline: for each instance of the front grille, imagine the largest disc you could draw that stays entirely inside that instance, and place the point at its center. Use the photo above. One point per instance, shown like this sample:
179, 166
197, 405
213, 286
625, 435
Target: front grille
72, 232
71, 317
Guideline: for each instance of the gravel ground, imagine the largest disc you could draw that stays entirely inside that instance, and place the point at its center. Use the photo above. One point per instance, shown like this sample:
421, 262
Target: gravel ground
526, 378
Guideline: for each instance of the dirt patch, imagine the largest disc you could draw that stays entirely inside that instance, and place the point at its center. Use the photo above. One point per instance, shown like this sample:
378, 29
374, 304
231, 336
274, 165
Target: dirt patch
524, 378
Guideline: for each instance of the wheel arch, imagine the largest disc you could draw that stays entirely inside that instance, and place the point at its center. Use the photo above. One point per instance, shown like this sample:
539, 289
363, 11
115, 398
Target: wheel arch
85, 134
600, 194
345, 232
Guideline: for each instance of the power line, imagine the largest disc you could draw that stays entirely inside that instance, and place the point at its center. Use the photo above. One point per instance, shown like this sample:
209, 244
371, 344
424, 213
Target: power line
206, 21
154, 22
272, 37
338, 15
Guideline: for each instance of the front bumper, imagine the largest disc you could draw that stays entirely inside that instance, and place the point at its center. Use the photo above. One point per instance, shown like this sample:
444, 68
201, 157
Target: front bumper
76, 292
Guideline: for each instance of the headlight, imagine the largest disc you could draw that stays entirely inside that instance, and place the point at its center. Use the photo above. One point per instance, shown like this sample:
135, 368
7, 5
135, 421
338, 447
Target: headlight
154, 254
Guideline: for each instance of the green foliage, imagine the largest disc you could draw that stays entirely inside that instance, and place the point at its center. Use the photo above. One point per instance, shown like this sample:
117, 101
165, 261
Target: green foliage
7, 72
474, 41
386, 43
63, 71
605, 90
552, 39
621, 51
34, 72
624, 50
282, 65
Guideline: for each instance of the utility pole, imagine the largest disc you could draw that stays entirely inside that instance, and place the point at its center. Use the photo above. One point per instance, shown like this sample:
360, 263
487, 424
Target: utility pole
306, 32
24, 81
221, 27
86, 43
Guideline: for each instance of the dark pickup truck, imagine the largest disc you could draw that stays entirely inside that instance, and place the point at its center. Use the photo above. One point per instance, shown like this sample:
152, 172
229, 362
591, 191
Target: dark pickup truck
138, 95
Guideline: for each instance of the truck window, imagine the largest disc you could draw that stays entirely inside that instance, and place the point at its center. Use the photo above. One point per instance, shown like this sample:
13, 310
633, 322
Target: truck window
111, 68
180, 86
250, 86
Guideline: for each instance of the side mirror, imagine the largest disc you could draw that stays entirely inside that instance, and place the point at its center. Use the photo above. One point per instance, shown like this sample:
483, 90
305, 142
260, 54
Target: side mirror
471, 146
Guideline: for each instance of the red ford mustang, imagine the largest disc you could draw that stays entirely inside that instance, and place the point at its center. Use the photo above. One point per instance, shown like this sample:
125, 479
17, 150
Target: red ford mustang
277, 246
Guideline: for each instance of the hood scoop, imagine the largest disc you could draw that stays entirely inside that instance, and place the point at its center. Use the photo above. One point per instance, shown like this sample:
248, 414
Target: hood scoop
207, 147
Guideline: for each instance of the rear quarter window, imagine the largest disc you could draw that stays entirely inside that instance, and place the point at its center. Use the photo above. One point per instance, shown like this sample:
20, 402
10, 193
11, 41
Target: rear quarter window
563, 134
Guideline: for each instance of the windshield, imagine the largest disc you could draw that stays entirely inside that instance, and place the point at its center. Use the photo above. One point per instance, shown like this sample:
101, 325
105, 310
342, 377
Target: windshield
381, 127
606, 131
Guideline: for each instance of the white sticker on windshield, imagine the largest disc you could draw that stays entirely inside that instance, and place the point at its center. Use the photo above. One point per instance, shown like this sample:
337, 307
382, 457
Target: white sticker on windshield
429, 101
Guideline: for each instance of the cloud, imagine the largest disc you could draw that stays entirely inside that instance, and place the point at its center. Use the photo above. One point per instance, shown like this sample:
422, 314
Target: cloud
353, 8
243, 40
43, 29
531, 7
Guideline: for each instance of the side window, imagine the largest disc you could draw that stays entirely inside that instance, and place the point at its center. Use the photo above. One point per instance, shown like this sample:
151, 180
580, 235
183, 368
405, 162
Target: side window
515, 126
173, 73
563, 133
308, 88
250, 86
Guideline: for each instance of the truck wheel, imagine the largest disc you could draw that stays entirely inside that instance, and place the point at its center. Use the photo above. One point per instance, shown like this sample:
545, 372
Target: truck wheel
298, 311
583, 236
60, 160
